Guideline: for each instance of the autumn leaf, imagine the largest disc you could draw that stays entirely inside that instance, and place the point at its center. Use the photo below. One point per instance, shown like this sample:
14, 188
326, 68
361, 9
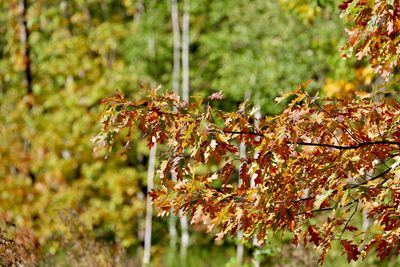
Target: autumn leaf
350, 249
216, 96
318, 156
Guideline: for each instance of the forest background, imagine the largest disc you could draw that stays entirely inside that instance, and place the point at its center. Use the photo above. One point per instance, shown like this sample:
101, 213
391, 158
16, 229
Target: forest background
66, 205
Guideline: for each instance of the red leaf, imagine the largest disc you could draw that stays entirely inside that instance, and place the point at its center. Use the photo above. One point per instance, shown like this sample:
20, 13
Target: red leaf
383, 249
350, 249
351, 228
314, 234
258, 180
345, 4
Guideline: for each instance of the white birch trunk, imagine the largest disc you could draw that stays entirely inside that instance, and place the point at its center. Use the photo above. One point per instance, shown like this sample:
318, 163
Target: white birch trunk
184, 237
139, 11
185, 97
175, 88
177, 46
239, 247
366, 221
149, 207
185, 50
256, 262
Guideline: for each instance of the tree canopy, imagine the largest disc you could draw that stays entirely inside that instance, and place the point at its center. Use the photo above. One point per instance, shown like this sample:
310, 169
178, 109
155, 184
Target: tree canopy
307, 171
59, 58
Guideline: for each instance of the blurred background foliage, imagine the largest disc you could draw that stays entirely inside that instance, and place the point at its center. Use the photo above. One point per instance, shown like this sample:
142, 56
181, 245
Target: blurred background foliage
83, 51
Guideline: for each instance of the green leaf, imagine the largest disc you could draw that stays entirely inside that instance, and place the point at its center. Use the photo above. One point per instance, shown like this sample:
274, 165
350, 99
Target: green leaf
321, 198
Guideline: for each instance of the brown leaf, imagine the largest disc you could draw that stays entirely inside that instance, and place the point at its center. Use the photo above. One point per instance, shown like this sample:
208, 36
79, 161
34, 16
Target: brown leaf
350, 249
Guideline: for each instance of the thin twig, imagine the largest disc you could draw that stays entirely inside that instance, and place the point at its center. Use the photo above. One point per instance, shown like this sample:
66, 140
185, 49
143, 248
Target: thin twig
348, 221
352, 186
345, 126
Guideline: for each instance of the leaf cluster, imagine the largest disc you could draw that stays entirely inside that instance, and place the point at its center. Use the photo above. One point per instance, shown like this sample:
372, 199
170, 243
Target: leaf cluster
375, 33
320, 157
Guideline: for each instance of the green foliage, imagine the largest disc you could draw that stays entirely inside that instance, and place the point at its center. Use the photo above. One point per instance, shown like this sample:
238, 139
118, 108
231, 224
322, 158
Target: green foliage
83, 51
78, 57
242, 55
76, 246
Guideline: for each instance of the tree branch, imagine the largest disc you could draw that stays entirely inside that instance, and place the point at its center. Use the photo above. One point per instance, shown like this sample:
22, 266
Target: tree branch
348, 187
359, 145
372, 143
248, 133
352, 186
348, 221
328, 208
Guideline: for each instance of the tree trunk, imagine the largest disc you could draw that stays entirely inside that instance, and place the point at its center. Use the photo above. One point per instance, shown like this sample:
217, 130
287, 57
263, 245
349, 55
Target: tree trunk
185, 97
256, 261
184, 237
26, 59
239, 247
185, 51
175, 88
149, 207
177, 46
139, 11
24, 38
